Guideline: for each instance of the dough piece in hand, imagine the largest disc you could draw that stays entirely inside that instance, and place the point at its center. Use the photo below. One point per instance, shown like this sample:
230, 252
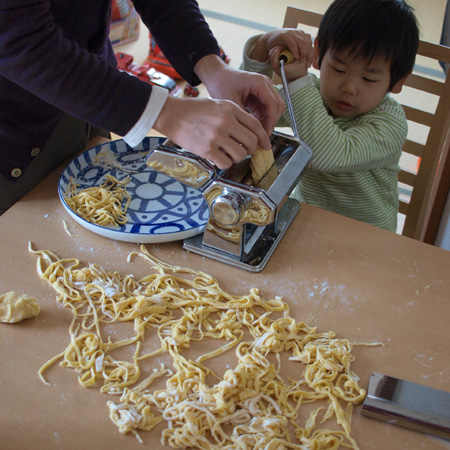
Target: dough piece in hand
15, 307
261, 162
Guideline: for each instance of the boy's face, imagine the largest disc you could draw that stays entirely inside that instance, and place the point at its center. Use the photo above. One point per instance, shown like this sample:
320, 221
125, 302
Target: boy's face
350, 86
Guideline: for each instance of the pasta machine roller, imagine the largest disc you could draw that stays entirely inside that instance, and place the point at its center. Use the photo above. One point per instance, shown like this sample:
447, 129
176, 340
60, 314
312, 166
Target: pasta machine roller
246, 222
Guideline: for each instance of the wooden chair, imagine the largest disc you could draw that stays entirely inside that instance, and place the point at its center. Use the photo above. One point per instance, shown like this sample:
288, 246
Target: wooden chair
428, 118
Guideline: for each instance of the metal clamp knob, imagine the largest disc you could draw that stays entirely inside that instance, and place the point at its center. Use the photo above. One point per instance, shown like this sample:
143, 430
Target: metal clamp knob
228, 208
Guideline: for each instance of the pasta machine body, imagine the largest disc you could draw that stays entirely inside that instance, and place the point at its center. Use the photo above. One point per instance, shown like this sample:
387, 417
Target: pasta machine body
246, 222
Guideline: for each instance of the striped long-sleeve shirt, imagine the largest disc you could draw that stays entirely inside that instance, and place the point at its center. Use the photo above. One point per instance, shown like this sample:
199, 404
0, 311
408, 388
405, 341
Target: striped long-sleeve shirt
355, 163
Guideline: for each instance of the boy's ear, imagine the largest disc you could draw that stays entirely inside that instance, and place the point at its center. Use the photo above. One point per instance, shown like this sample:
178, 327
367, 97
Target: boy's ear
399, 85
315, 62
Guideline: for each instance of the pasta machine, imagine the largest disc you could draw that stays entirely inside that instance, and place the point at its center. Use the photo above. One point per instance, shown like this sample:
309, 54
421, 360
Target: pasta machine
246, 222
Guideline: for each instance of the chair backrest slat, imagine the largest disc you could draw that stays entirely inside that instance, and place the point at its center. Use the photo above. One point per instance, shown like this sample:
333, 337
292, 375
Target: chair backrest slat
407, 177
419, 116
425, 84
413, 148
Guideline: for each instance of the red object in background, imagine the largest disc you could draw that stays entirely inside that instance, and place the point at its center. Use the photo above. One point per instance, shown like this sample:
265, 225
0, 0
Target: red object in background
120, 9
157, 60
224, 56
146, 73
191, 91
156, 69
126, 64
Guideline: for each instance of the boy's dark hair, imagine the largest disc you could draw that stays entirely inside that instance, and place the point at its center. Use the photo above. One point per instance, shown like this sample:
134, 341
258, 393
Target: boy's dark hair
371, 29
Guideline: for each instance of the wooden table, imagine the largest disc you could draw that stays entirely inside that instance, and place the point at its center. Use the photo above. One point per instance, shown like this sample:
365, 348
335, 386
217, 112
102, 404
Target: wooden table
364, 283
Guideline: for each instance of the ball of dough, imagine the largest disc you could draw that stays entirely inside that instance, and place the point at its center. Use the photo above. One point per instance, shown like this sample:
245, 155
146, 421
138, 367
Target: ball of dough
15, 307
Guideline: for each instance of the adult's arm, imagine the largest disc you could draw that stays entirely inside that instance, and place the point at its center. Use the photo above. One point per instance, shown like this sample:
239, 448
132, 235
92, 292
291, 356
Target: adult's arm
37, 55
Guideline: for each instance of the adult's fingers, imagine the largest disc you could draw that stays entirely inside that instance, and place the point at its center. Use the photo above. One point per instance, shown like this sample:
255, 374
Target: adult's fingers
264, 102
213, 129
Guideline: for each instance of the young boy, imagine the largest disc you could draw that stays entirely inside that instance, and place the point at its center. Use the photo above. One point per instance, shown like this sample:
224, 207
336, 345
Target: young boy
364, 50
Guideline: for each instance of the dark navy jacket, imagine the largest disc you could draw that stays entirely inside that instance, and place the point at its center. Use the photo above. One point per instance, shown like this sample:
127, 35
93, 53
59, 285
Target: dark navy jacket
55, 56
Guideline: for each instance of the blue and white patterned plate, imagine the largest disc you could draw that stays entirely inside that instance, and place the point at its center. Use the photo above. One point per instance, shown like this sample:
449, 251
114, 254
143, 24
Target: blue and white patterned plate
161, 210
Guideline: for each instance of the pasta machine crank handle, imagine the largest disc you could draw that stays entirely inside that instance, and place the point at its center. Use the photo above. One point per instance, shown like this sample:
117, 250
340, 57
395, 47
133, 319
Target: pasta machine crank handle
285, 58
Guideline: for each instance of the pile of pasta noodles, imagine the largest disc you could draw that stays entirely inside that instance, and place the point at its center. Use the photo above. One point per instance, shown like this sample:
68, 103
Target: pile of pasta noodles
104, 205
250, 406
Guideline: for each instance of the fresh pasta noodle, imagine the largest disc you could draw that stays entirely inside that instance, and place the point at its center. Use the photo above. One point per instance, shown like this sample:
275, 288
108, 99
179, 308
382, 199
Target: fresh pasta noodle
108, 159
230, 233
250, 406
66, 229
105, 205
258, 214
182, 170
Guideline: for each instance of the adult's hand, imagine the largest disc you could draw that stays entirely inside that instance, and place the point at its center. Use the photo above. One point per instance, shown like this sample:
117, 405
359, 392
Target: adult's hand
218, 130
251, 91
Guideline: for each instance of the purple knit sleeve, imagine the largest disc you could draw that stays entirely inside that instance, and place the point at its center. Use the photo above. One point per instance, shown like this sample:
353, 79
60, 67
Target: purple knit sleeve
52, 60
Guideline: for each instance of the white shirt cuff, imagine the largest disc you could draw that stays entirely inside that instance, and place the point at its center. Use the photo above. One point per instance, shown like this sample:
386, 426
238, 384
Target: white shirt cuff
151, 112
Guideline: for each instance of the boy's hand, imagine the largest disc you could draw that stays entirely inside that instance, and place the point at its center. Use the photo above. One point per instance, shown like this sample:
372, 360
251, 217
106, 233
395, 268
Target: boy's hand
272, 43
293, 70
